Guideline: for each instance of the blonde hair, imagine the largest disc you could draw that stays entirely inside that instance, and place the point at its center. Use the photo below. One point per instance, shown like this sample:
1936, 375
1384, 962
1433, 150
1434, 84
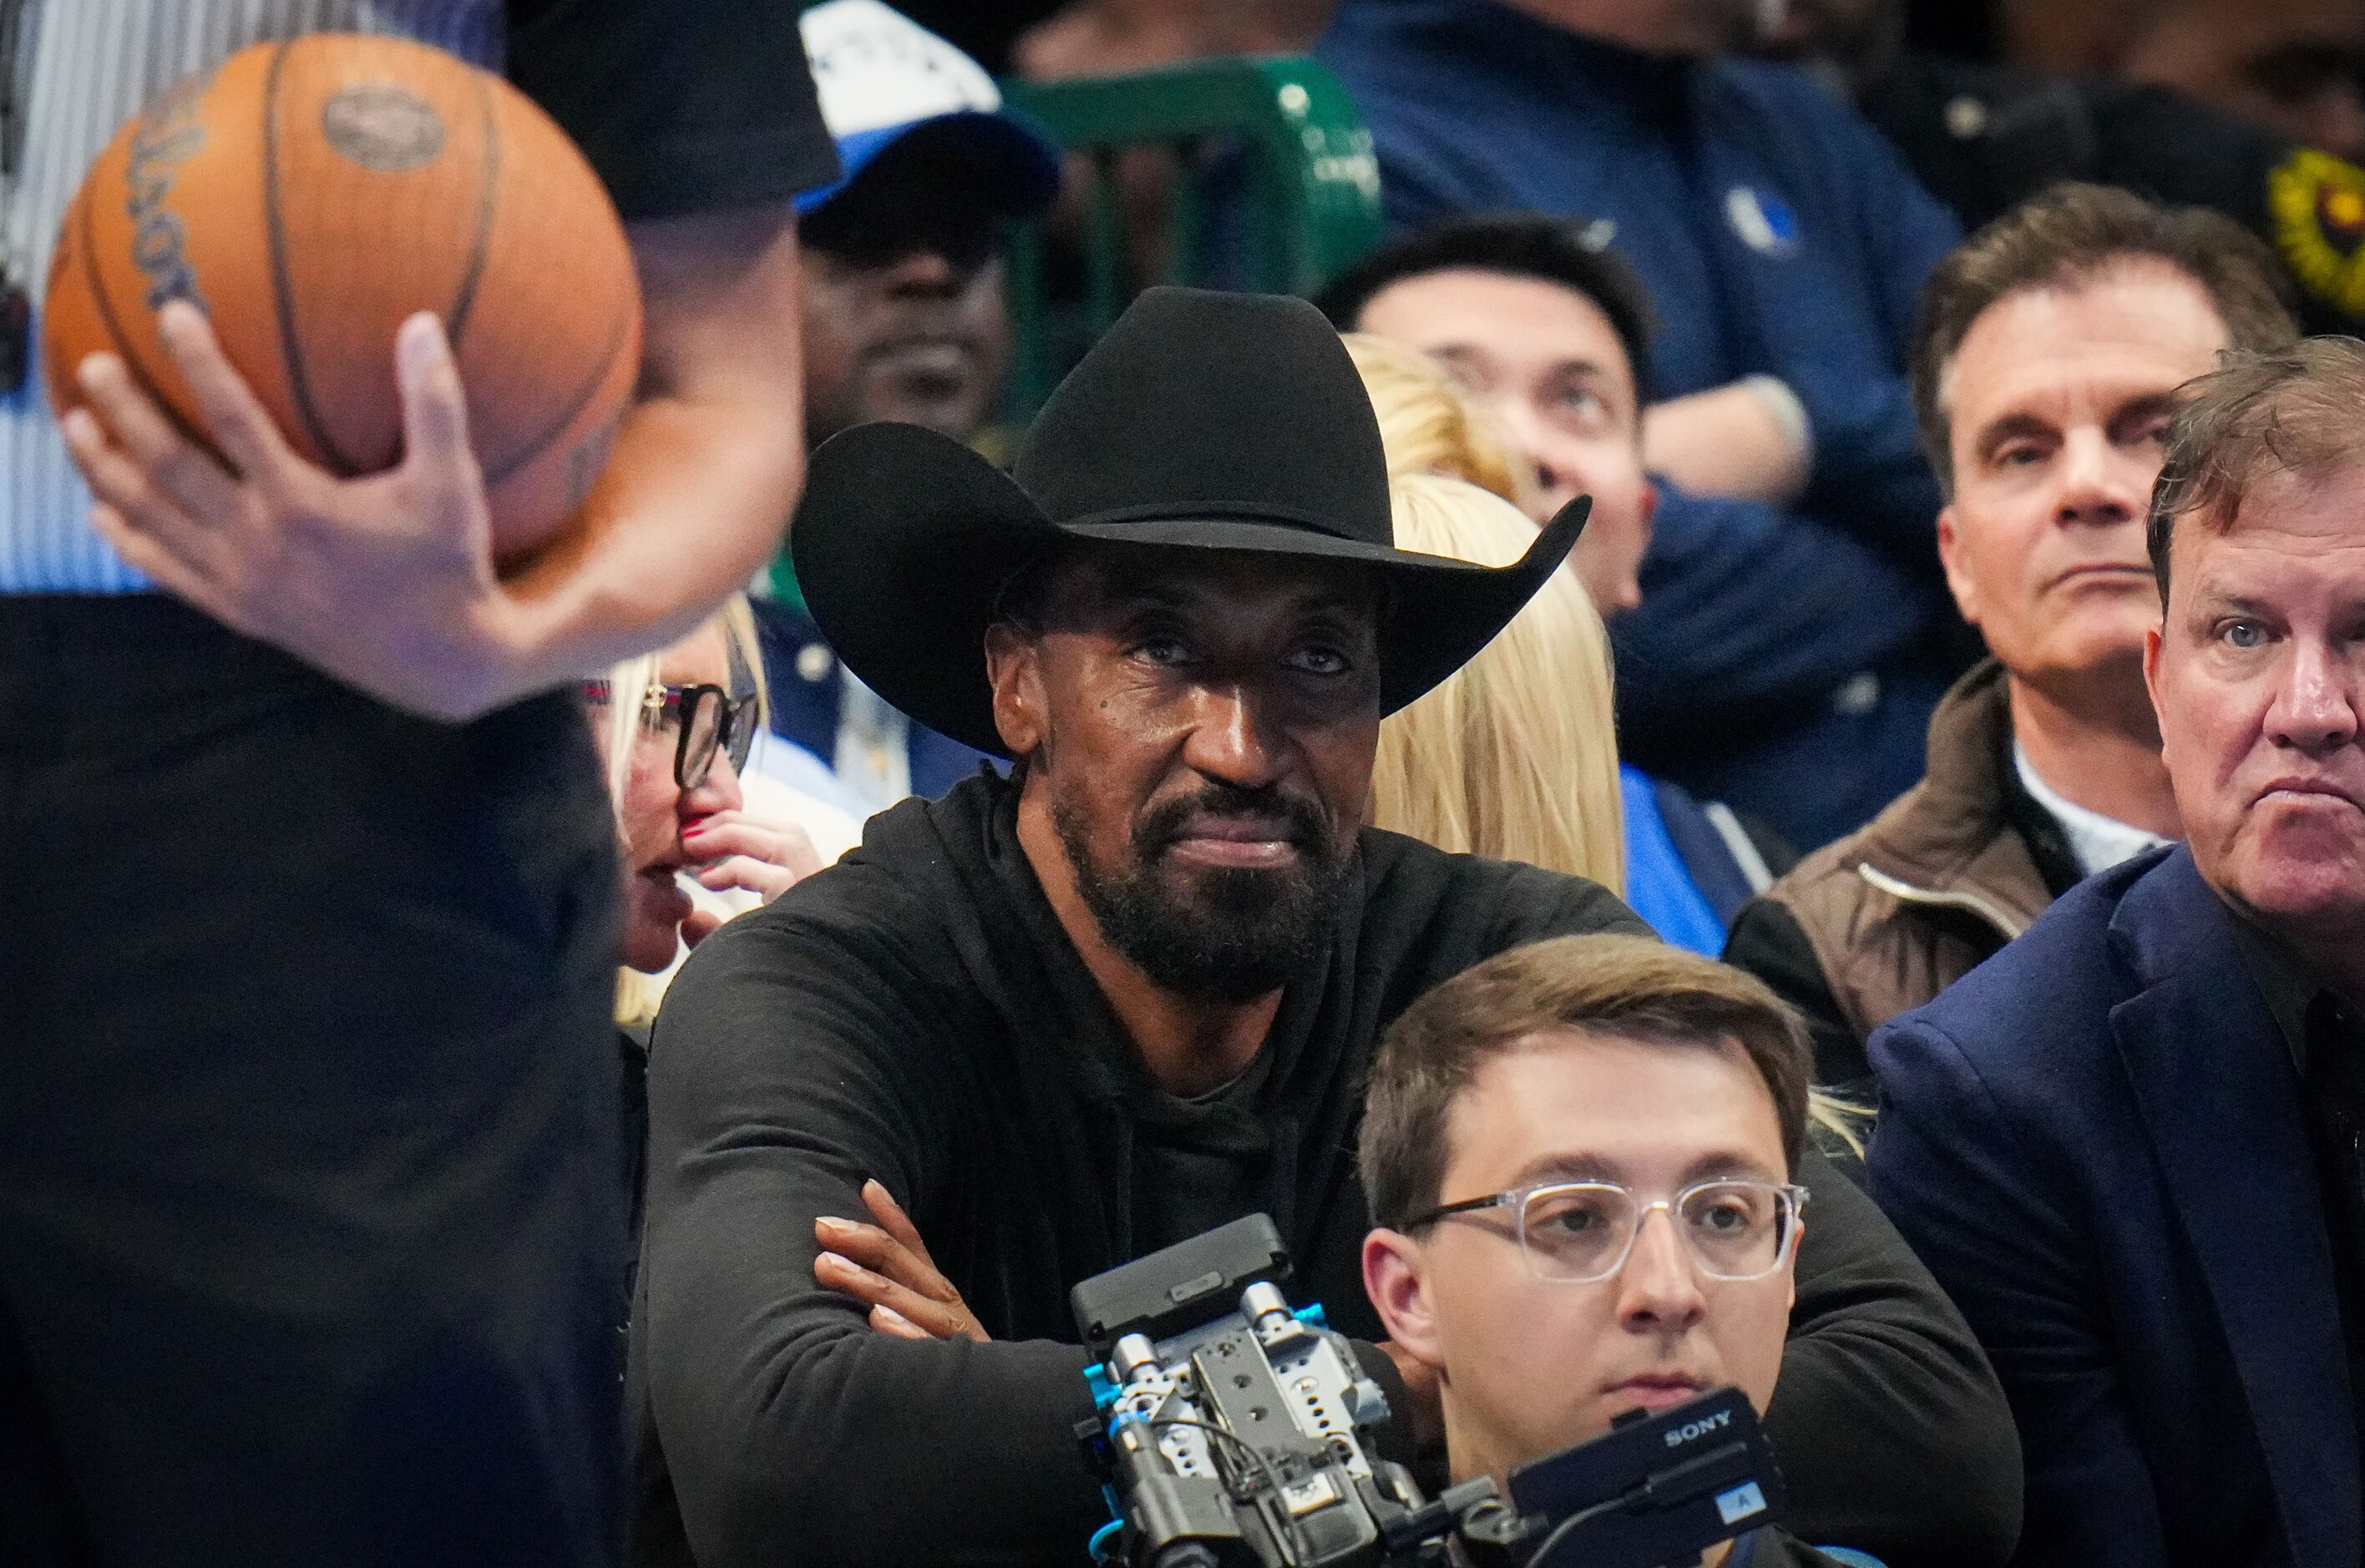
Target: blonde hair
1428, 426
626, 717
1515, 756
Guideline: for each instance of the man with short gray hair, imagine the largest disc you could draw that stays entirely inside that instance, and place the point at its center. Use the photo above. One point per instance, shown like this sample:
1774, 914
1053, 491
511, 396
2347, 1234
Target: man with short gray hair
2132, 1144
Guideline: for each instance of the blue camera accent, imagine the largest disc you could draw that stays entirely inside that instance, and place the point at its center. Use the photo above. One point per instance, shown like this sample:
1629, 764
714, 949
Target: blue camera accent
1740, 1503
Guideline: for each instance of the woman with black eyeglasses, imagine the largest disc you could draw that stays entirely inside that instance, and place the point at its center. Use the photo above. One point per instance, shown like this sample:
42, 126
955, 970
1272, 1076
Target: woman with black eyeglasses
676, 729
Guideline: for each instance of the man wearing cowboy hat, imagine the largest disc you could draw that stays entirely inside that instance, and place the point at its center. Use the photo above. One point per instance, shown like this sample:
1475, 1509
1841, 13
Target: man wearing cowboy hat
1129, 993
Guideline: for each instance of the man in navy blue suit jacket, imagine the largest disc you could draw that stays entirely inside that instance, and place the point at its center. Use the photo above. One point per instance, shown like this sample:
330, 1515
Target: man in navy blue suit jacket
2129, 1145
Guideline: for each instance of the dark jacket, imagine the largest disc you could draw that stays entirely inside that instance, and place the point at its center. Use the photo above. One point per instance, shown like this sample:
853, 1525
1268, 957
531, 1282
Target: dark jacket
1784, 659
806, 686
1882, 921
1986, 138
916, 1014
1692, 866
2098, 1143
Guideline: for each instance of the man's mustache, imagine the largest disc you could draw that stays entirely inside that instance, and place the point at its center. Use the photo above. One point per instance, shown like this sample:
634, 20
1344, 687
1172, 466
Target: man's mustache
1305, 827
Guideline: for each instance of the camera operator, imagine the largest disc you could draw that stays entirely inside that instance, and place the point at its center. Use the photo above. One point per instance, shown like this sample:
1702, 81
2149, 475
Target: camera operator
1524, 1123
1129, 993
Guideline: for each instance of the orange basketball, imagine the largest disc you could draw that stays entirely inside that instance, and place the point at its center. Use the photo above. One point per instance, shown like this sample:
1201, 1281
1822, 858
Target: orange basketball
308, 196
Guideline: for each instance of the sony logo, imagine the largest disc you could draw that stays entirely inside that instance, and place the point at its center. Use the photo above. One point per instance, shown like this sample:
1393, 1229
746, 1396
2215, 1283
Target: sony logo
1681, 1435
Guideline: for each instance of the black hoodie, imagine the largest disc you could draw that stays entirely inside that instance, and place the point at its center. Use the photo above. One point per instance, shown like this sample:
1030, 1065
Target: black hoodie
916, 1014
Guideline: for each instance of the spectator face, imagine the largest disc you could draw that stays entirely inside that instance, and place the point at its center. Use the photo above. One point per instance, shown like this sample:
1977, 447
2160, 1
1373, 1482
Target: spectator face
2291, 66
903, 314
1529, 1366
2056, 402
1544, 359
653, 810
1203, 724
2257, 671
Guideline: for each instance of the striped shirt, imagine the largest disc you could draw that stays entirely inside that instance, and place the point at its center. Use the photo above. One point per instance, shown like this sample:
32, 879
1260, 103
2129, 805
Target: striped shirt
83, 68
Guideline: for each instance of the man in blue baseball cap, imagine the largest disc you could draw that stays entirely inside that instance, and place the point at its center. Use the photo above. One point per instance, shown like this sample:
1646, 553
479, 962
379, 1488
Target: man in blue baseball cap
905, 319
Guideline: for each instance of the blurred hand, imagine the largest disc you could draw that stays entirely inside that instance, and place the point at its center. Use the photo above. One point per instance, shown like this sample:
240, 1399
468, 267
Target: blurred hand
888, 1266
385, 582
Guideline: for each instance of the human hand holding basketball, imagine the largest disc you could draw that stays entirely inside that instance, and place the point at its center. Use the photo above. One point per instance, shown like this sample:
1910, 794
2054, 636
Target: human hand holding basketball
385, 581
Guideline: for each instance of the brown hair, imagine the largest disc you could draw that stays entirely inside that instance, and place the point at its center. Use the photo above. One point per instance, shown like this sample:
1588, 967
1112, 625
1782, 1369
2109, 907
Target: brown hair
1633, 987
2297, 411
2066, 236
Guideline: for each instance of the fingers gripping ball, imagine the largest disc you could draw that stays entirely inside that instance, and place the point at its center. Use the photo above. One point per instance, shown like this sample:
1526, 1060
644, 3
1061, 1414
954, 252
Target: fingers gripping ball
308, 196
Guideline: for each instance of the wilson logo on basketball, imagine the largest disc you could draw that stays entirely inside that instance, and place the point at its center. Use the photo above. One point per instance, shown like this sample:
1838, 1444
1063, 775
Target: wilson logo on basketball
384, 127
324, 188
169, 135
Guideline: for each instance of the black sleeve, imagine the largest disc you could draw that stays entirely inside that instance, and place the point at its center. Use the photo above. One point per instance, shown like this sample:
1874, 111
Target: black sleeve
683, 105
1766, 941
1891, 1430
783, 1074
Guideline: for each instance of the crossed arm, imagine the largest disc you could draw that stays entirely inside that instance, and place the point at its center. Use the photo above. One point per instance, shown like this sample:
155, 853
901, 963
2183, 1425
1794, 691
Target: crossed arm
388, 582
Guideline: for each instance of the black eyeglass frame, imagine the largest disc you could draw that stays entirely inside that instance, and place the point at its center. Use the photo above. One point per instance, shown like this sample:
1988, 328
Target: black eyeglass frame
1790, 1206
734, 724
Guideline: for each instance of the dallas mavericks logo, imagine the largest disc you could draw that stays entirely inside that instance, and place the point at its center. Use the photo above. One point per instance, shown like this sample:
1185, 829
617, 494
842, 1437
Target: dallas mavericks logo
1765, 222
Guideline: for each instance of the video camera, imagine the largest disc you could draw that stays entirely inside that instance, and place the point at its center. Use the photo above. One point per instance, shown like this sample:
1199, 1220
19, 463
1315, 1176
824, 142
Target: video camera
1232, 1433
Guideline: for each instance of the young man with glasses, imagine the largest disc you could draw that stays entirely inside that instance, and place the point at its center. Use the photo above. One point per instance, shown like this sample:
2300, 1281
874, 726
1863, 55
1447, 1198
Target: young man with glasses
1580, 1155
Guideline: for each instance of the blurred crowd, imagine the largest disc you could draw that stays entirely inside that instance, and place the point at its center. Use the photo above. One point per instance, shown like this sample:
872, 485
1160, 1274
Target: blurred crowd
1785, 655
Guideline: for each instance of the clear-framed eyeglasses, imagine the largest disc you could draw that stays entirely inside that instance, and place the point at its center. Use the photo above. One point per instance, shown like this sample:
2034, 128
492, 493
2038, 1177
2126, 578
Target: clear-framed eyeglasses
1577, 1232
707, 722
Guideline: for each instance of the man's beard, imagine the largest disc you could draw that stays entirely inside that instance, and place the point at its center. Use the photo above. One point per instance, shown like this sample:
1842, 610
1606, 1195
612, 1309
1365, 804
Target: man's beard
1235, 932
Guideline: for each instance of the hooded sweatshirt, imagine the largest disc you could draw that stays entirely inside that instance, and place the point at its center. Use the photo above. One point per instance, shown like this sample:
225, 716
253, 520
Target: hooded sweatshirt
916, 1014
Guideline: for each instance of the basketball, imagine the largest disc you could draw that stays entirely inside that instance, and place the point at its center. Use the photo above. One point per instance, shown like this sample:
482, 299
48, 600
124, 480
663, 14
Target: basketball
310, 195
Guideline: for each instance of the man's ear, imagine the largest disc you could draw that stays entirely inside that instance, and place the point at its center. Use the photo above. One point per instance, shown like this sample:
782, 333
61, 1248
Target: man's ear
1014, 667
1394, 1278
1950, 557
2151, 665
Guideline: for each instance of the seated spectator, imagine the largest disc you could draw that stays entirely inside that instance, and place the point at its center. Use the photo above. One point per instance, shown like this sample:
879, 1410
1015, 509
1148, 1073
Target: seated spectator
1983, 138
1691, 865
676, 764
2052, 345
2293, 67
674, 761
1524, 1123
903, 319
1787, 654
1069, 1017
2129, 1144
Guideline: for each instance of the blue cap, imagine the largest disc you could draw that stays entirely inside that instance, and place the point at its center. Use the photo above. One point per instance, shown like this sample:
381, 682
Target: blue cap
881, 76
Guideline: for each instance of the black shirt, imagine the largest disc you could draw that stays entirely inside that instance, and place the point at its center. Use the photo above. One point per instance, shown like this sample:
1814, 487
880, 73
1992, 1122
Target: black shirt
682, 105
916, 1014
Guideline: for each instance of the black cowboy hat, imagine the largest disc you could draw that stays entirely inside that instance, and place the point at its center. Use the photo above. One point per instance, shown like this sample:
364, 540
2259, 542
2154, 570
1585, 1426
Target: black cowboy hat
1219, 421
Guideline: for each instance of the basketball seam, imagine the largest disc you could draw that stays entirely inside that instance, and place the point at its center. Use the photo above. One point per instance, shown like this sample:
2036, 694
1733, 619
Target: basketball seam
291, 344
591, 388
455, 321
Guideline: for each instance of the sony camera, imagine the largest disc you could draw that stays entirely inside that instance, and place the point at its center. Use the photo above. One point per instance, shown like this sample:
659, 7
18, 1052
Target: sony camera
1233, 1433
